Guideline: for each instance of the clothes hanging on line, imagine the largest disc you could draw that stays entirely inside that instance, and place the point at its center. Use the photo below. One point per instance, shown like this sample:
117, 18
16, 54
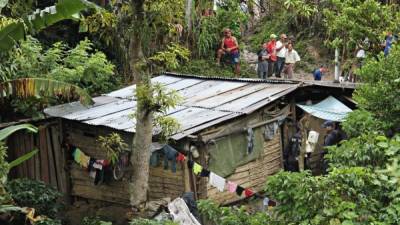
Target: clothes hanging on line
205, 173
170, 154
250, 140
81, 158
181, 157
217, 181
231, 186
270, 130
248, 192
239, 191
197, 168
190, 164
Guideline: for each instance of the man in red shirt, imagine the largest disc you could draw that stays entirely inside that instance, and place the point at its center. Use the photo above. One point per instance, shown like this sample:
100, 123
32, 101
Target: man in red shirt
230, 47
271, 49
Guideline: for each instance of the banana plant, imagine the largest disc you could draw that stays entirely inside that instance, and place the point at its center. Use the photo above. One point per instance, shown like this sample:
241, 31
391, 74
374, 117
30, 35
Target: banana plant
28, 87
65, 9
5, 200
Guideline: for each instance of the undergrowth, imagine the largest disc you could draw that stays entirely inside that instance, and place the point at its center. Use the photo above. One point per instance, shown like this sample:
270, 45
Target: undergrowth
208, 67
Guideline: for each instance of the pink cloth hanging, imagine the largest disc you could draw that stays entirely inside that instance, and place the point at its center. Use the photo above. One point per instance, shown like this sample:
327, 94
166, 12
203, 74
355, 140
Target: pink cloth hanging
231, 187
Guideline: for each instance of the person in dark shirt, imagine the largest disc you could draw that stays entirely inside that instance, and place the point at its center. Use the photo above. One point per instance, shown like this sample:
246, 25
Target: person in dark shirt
318, 73
333, 137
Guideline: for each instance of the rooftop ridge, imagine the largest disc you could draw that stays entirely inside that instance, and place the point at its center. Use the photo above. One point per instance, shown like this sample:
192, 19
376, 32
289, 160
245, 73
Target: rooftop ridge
250, 80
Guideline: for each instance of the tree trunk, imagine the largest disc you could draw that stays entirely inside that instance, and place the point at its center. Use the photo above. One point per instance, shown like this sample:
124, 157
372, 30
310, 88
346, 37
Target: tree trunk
140, 156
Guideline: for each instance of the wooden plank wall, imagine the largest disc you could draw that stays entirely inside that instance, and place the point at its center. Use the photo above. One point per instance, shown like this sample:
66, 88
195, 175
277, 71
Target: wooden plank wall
48, 165
162, 183
253, 174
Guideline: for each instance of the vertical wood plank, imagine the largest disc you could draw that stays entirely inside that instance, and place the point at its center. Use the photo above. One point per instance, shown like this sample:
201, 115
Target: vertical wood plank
51, 162
28, 148
37, 158
65, 170
57, 157
44, 169
23, 151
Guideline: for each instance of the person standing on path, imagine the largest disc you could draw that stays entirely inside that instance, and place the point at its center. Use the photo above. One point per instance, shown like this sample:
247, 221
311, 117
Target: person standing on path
291, 57
281, 51
262, 66
271, 48
230, 47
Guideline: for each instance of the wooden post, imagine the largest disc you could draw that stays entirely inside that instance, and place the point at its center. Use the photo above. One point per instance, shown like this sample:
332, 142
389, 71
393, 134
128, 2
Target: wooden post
186, 177
304, 126
336, 65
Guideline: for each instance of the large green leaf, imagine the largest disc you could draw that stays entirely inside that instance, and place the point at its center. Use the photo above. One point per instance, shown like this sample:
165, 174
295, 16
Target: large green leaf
4, 133
64, 9
28, 87
11, 33
3, 3
22, 159
39, 19
10, 208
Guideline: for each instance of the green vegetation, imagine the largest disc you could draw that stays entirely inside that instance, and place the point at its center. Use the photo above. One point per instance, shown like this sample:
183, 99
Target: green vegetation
35, 194
100, 49
196, 66
113, 145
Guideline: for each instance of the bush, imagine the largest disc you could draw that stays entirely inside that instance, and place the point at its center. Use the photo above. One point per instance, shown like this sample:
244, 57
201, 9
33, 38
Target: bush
48, 221
35, 194
231, 215
82, 65
94, 221
151, 222
196, 66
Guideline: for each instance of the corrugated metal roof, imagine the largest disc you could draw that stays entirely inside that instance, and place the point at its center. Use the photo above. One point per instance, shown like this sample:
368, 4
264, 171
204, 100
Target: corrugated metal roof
207, 102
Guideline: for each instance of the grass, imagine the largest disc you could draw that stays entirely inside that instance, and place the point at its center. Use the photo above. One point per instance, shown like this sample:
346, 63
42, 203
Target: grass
208, 67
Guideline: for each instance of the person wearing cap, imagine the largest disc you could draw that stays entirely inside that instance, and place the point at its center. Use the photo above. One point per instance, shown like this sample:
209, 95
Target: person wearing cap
281, 51
230, 47
271, 49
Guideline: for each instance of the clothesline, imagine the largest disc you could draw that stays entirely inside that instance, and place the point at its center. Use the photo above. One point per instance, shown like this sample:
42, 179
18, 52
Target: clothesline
222, 184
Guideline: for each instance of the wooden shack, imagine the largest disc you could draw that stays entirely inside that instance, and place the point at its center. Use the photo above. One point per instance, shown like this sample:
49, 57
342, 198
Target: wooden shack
217, 118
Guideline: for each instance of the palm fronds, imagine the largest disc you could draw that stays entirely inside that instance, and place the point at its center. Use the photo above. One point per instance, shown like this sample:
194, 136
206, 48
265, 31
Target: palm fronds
29, 87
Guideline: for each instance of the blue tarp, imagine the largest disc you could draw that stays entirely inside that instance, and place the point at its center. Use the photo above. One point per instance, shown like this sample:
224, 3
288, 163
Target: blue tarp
328, 109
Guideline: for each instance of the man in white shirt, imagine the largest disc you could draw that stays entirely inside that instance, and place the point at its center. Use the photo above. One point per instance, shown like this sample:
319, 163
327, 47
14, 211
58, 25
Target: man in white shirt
291, 57
280, 53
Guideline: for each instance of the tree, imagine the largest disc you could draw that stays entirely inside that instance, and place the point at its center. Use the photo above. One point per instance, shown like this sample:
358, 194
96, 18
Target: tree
150, 98
350, 22
362, 184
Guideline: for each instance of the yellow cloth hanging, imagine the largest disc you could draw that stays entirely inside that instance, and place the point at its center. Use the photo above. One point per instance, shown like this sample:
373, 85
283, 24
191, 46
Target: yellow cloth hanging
84, 160
197, 168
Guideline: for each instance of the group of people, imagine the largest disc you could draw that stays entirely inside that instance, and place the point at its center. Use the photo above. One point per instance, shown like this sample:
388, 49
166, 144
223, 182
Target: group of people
276, 57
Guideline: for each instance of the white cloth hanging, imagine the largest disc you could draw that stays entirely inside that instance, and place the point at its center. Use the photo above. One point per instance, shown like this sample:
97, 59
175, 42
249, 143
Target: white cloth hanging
217, 181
